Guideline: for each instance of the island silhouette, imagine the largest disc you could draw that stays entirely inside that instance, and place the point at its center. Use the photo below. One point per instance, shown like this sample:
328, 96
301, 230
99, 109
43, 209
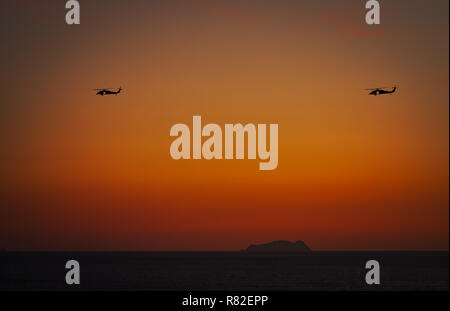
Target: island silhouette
282, 246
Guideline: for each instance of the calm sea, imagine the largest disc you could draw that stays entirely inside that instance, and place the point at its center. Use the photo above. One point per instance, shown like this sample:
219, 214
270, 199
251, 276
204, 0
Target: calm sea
224, 271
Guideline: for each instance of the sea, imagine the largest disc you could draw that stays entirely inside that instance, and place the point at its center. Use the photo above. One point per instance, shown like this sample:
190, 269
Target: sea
225, 271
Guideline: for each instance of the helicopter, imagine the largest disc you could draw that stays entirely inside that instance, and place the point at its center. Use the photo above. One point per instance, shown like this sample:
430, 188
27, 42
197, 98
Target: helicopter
107, 91
380, 91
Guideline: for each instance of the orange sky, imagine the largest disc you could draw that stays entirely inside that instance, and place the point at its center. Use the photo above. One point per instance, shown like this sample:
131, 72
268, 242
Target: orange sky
356, 172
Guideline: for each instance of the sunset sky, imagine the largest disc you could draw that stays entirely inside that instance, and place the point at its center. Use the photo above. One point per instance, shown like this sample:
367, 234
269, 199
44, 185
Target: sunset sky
355, 172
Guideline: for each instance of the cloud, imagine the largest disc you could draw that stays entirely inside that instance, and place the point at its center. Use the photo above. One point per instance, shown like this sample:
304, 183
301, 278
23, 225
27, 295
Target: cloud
217, 9
352, 24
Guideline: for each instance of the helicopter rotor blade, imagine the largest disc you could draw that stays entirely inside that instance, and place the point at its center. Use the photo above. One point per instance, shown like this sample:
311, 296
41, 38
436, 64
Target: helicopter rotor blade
379, 88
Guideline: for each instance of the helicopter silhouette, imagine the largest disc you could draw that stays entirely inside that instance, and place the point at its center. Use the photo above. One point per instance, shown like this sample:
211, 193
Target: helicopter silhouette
107, 91
380, 91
